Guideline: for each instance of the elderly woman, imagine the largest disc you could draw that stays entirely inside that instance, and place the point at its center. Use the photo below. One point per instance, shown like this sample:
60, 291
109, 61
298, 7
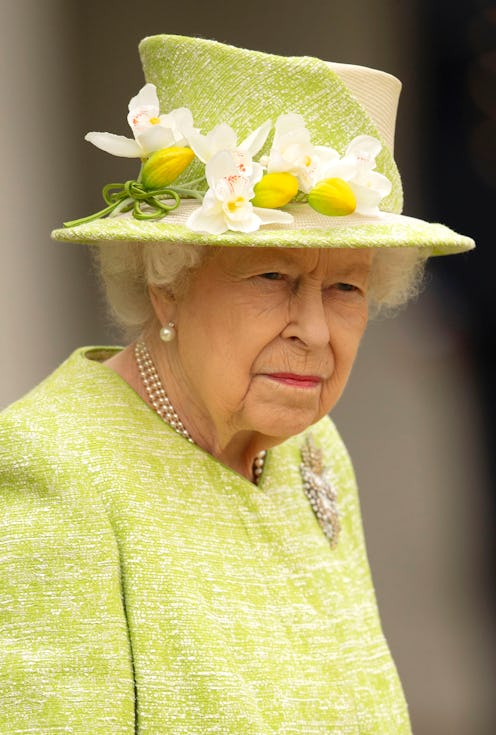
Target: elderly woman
181, 547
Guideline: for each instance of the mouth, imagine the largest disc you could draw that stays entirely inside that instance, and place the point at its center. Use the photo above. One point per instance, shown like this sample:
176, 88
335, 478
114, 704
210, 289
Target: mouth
295, 380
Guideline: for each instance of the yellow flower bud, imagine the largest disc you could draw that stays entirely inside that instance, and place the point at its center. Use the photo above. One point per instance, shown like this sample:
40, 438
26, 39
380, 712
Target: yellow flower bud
333, 197
275, 190
164, 166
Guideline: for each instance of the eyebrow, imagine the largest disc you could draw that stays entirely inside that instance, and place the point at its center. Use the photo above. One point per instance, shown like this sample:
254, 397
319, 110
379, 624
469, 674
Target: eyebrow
354, 268
281, 257
273, 260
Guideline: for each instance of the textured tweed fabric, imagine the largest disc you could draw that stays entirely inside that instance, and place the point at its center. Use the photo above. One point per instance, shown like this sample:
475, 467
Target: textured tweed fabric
146, 588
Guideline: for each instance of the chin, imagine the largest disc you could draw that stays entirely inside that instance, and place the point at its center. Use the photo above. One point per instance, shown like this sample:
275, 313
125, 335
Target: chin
283, 427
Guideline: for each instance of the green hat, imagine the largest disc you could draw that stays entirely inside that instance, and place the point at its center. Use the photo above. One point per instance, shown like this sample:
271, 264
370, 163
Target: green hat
240, 147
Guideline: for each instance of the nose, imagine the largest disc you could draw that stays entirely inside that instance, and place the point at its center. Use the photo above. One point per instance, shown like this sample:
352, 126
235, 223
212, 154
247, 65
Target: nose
308, 322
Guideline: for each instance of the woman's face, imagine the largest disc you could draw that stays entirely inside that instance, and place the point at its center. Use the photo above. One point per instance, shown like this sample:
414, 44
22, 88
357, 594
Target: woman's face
266, 338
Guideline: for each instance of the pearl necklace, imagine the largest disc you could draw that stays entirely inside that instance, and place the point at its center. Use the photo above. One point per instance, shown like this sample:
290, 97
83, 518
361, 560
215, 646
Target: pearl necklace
161, 404
156, 392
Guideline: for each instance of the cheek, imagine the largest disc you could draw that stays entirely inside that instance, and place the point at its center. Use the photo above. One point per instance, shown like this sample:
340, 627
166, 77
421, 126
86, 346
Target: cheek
232, 324
347, 326
346, 337
219, 347
346, 348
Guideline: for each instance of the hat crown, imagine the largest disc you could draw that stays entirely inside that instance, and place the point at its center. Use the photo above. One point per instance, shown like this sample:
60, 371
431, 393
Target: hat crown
221, 83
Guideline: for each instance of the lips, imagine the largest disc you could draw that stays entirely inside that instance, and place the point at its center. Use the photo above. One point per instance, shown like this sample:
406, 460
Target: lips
298, 381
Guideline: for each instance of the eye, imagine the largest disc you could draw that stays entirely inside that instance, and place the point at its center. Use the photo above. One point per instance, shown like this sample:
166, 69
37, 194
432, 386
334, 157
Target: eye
272, 276
346, 287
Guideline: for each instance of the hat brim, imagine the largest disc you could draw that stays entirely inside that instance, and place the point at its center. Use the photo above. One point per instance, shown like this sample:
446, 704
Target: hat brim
309, 230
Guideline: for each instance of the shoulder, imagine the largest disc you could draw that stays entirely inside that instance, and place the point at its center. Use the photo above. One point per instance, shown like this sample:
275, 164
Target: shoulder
49, 507
334, 456
335, 453
29, 427
45, 435
327, 433
63, 404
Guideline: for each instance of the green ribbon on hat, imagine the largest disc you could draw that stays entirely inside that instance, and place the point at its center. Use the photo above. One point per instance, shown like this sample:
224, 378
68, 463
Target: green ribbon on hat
131, 195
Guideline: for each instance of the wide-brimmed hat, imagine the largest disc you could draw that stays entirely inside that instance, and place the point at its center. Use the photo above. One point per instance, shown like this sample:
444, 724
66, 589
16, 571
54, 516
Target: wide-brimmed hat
241, 147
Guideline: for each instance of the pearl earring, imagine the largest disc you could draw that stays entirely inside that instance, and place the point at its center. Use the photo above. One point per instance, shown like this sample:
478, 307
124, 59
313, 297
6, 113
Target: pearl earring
168, 333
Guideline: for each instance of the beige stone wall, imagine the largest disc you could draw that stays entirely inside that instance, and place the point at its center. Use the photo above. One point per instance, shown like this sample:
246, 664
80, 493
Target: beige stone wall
46, 297
409, 415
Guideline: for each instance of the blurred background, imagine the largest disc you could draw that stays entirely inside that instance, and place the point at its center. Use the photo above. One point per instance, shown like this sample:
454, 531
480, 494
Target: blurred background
418, 415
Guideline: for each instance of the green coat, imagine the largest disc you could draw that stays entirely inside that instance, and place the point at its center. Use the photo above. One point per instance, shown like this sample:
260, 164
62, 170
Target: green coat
147, 588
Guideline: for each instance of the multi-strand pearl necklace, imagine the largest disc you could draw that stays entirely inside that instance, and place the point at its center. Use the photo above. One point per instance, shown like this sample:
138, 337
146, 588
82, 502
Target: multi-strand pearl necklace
160, 402
156, 392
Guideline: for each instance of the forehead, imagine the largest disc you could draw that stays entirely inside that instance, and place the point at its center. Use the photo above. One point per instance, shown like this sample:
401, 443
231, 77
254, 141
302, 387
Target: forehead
303, 259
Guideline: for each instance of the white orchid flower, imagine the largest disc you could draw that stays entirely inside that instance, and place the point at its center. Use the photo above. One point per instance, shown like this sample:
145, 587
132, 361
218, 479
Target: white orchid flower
223, 138
363, 150
368, 185
329, 165
292, 152
152, 131
227, 205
